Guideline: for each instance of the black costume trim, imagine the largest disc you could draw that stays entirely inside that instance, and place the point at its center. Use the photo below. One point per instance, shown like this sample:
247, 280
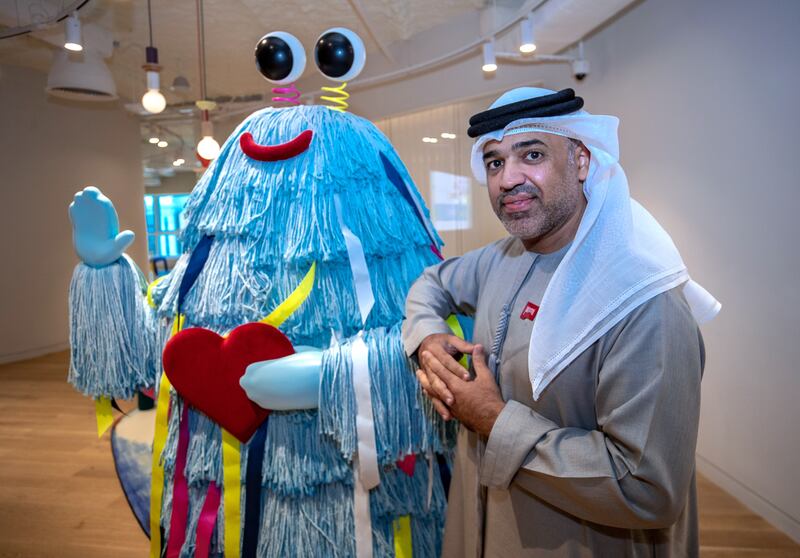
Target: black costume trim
557, 104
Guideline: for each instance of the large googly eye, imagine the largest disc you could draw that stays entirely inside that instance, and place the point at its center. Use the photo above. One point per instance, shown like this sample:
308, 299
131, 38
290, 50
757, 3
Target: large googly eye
280, 57
340, 54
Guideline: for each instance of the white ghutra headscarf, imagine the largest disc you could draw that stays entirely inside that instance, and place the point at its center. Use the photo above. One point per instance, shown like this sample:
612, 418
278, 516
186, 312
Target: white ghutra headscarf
620, 257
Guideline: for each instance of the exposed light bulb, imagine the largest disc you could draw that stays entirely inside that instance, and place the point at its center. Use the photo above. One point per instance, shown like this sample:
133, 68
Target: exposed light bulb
528, 43
72, 40
208, 148
162, 143
153, 101
489, 61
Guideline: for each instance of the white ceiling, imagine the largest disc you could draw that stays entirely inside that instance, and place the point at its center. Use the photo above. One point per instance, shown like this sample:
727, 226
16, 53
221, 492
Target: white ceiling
412, 32
232, 28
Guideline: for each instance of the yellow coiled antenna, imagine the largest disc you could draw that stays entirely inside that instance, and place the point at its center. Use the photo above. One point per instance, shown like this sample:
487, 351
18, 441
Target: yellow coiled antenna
338, 102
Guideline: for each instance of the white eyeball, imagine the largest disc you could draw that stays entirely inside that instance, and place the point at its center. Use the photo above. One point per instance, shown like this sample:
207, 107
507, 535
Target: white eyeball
340, 54
280, 57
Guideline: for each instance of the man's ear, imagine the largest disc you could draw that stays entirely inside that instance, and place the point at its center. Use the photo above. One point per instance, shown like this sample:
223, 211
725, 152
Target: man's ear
582, 157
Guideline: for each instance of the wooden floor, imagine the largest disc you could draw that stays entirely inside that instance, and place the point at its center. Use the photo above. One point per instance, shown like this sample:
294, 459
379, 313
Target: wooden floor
59, 495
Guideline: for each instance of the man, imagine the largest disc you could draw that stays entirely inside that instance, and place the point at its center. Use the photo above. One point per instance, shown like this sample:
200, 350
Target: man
579, 419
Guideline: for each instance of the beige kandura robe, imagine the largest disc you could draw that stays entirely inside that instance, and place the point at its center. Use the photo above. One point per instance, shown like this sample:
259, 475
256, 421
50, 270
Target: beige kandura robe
602, 465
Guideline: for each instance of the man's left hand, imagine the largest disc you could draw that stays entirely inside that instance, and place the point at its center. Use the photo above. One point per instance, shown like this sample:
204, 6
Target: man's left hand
477, 402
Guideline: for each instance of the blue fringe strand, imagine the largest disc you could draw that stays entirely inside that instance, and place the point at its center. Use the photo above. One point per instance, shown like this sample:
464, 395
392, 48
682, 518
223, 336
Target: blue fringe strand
110, 331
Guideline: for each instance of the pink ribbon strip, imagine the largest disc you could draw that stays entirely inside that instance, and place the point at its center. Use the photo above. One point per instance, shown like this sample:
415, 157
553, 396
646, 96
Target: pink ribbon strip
205, 525
180, 491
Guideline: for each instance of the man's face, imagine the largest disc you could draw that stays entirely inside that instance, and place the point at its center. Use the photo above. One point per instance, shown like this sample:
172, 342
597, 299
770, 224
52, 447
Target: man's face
535, 182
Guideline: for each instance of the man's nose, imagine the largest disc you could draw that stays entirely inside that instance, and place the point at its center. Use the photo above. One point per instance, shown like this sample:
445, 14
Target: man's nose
512, 177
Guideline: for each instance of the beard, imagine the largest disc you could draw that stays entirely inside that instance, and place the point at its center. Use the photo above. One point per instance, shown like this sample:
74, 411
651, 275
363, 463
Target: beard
542, 217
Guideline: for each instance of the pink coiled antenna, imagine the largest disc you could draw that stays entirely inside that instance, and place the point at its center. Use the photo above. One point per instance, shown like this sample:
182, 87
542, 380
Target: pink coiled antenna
289, 95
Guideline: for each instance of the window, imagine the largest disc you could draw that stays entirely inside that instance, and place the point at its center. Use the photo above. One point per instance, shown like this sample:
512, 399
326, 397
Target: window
164, 216
451, 199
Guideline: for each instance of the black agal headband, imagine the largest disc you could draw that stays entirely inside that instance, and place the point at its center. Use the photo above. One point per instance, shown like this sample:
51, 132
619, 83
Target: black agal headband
557, 104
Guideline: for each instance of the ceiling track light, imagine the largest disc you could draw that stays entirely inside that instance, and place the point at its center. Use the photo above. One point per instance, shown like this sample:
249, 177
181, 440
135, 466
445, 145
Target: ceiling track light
72, 27
528, 42
489, 61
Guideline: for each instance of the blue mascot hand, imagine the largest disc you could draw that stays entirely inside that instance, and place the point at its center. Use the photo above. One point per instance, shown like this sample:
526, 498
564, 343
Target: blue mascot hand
95, 229
285, 384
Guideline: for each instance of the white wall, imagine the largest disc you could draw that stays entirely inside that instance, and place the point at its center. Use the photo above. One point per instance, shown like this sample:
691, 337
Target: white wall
707, 96
48, 151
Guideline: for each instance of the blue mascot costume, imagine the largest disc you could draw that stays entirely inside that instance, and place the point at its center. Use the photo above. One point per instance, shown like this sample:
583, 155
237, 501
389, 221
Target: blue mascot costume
289, 421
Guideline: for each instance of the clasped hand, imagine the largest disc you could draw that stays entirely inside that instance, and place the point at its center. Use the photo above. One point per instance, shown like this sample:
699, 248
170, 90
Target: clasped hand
474, 401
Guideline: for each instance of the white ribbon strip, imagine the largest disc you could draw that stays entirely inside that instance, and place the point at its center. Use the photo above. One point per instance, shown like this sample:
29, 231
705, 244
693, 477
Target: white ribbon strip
365, 465
361, 514
365, 426
358, 265
430, 480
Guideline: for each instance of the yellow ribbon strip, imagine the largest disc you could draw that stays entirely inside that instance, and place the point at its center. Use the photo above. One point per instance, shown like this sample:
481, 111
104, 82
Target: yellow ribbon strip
231, 449
157, 481
159, 440
150, 301
232, 492
452, 321
293, 301
402, 537
102, 410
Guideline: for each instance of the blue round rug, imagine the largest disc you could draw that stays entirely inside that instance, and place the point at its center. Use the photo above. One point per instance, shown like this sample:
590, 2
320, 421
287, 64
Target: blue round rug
131, 446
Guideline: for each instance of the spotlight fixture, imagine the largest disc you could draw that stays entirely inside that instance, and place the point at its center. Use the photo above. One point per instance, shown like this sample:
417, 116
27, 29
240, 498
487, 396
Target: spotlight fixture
153, 101
154, 139
489, 61
72, 40
178, 162
162, 143
426, 139
448, 135
527, 44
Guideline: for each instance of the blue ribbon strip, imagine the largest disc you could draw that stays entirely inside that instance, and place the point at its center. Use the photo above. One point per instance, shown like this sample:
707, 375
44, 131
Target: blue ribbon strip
196, 263
252, 499
395, 178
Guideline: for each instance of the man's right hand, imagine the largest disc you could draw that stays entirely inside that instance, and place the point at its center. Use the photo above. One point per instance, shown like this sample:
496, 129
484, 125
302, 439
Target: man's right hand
439, 354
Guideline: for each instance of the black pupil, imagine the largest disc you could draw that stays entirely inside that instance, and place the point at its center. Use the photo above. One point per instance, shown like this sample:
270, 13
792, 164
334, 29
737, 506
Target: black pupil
274, 58
334, 54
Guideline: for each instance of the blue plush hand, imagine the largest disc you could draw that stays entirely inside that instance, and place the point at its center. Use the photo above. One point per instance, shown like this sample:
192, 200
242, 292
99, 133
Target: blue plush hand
285, 384
95, 228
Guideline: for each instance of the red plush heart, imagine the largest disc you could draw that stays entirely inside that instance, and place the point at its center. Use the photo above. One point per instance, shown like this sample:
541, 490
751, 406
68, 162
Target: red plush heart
205, 369
407, 464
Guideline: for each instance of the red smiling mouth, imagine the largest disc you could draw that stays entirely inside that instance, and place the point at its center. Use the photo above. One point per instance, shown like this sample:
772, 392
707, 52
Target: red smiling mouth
279, 152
